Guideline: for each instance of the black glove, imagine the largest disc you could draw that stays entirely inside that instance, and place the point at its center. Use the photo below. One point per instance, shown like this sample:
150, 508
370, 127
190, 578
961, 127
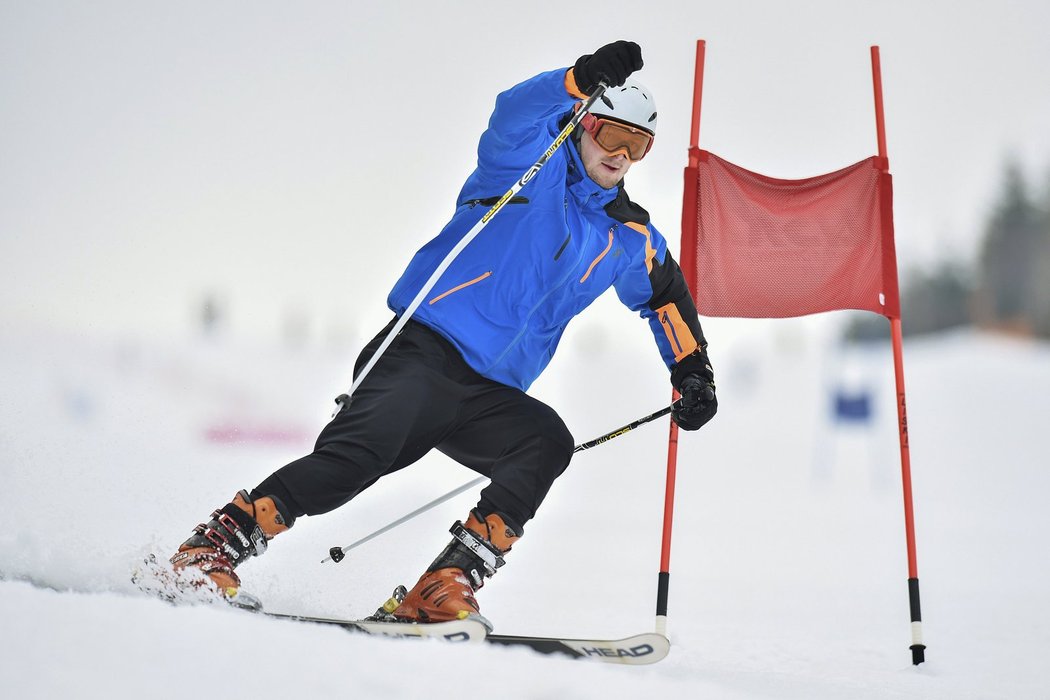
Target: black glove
695, 381
612, 63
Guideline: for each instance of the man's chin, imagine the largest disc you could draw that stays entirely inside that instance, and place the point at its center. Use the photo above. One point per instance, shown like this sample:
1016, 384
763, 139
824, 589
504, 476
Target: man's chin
607, 181
605, 178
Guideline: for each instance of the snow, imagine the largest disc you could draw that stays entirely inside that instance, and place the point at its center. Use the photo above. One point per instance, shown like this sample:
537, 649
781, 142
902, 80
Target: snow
788, 570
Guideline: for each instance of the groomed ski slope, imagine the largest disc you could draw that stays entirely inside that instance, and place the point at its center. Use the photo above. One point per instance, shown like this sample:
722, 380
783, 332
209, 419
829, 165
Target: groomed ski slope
788, 567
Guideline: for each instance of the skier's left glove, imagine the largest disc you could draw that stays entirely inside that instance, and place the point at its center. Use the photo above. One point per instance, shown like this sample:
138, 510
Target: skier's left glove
695, 381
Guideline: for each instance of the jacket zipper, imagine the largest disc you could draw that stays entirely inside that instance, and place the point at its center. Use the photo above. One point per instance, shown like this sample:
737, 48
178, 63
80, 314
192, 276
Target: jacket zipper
599, 258
568, 234
674, 334
491, 201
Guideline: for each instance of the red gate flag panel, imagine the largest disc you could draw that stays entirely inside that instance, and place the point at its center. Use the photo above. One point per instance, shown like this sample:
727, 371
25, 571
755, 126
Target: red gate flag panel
772, 248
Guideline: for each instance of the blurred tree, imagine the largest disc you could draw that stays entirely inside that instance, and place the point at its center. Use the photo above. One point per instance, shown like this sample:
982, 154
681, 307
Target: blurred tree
931, 301
1015, 241
865, 327
1041, 292
1010, 289
937, 300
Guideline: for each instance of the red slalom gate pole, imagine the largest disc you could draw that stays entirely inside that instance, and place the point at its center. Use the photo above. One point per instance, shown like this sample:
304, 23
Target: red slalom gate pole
687, 243
698, 97
918, 649
664, 578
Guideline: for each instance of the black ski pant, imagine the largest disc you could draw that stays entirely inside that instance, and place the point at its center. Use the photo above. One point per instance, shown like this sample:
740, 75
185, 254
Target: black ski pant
422, 395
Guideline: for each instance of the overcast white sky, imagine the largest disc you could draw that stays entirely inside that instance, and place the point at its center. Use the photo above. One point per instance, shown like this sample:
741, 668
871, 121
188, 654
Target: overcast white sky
293, 155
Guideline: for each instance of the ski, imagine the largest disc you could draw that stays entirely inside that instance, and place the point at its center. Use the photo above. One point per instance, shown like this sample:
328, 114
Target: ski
156, 578
458, 631
638, 649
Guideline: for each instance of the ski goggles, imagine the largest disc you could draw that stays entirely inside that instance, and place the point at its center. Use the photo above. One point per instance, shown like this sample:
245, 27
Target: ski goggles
616, 136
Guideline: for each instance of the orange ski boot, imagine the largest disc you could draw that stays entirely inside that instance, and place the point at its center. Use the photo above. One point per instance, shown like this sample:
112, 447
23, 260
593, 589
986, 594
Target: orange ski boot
446, 590
237, 531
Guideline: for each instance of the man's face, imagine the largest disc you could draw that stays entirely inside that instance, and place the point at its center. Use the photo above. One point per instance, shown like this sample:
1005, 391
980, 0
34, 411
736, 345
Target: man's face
607, 169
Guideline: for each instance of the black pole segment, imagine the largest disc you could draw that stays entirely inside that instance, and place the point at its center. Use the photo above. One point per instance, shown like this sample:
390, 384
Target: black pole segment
918, 650
662, 585
913, 599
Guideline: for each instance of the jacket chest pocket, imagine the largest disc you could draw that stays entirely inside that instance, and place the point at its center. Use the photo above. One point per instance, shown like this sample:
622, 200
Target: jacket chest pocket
460, 287
599, 257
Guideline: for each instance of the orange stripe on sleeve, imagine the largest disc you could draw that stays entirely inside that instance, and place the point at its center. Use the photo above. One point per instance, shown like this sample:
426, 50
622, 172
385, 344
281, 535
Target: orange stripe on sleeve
650, 252
678, 334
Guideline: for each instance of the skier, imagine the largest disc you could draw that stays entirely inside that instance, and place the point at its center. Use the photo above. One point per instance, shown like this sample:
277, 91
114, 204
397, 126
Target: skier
455, 377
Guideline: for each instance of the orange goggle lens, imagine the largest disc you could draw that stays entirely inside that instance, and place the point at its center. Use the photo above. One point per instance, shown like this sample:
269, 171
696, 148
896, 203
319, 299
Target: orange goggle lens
614, 136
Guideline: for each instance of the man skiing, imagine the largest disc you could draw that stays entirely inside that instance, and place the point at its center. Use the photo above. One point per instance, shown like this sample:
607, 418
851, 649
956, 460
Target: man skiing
455, 377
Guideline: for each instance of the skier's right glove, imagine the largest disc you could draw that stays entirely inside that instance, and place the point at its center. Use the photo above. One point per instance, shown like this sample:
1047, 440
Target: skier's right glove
612, 63
695, 381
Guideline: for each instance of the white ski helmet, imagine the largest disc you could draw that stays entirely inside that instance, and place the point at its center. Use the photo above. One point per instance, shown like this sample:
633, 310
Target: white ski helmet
631, 103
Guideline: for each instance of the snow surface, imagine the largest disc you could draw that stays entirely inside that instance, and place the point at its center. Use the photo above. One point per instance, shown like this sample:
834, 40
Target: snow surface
788, 566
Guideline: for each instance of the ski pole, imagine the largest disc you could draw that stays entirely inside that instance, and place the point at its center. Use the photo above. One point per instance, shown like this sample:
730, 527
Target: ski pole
344, 399
626, 429
337, 554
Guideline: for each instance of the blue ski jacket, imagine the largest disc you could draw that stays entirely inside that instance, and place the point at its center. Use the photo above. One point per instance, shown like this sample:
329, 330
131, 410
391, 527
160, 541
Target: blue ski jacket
552, 250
